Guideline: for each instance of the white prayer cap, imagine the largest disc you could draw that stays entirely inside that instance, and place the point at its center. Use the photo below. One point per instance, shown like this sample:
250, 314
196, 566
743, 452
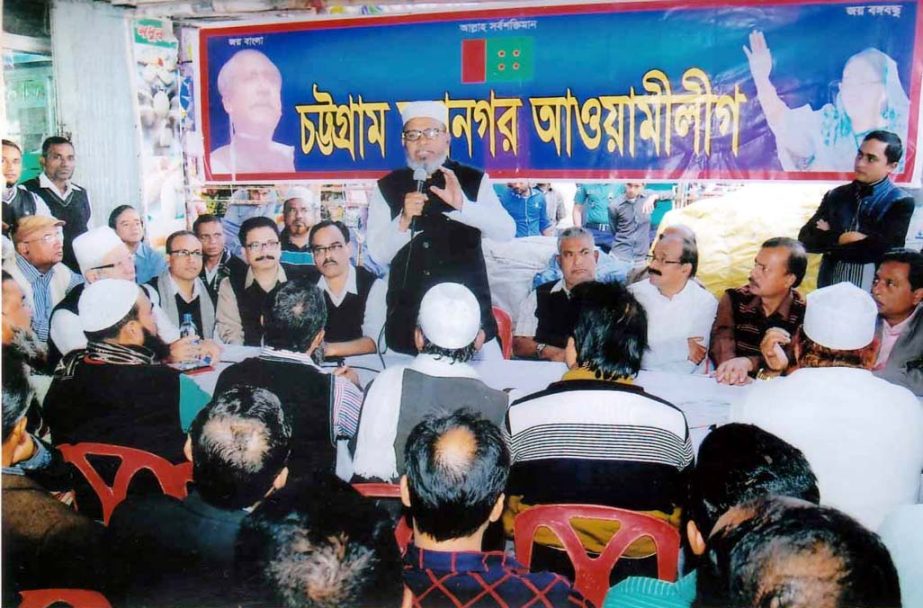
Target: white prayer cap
840, 317
93, 245
450, 315
299, 192
106, 302
426, 109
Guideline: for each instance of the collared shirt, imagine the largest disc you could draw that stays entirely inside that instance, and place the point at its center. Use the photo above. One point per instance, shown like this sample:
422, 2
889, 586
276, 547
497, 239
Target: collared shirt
229, 327
45, 182
43, 301
148, 263
40, 458
528, 211
631, 227
347, 398
196, 292
239, 210
889, 336
526, 321
41, 208
375, 304
454, 578
672, 321
740, 324
644, 592
595, 200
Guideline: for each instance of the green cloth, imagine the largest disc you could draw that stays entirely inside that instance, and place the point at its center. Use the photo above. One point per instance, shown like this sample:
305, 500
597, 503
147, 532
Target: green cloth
595, 200
191, 400
643, 592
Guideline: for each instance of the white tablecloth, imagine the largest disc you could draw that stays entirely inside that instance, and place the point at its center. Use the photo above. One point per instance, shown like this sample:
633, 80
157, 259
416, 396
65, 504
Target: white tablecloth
705, 402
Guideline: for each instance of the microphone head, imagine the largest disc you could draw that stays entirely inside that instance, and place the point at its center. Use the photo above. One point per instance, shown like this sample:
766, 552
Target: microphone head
419, 174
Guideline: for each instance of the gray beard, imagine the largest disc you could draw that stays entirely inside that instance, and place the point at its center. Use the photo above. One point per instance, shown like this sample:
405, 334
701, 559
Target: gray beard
28, 344
429, 166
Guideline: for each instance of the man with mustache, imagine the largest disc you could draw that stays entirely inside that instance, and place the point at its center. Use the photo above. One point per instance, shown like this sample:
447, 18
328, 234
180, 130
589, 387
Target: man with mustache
680, 312
299, 213
755, 323
426, 221
116, 391
218, 263
241, 297
250, 86
898, 293
354, 296
547, 315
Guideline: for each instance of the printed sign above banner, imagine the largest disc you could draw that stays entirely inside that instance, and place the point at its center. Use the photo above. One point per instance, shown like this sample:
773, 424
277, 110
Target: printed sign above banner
656, 90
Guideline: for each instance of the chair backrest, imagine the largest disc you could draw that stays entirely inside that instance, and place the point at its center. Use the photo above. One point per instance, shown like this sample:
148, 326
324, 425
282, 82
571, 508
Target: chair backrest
591, 575
403, 531
172, 477
504, 331
78, 598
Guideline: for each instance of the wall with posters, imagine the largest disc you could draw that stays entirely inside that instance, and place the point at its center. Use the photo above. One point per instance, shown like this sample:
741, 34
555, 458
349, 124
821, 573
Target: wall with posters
660, 90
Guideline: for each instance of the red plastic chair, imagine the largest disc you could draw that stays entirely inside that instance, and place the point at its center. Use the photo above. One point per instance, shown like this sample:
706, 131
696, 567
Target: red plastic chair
504, 331
592, 574
403, 532
172, 477
78, 598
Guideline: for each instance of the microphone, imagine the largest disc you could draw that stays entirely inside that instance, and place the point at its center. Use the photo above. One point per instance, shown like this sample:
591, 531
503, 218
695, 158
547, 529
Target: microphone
420, 176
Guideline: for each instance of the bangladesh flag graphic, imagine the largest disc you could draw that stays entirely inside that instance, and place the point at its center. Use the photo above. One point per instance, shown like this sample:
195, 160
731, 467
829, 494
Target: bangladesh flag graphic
497, 60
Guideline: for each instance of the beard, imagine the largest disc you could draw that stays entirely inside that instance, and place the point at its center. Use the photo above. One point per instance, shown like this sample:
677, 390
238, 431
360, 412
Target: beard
155, 344
429, 166
29, 346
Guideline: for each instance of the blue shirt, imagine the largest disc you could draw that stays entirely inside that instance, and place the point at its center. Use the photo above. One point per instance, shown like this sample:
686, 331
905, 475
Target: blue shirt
595, 200
148, 263
529, 211
39, 459
643, 592
42, 300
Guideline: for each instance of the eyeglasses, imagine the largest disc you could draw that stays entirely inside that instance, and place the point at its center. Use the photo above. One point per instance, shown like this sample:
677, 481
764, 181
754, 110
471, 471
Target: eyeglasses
49, 238
416, 134
258, 246
661, 260
334, 248
185, 253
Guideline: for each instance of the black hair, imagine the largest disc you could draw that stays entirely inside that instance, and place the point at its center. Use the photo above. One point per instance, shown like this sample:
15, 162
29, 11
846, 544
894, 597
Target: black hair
7, 276
253, 223
319, 544
326, 224
293, 314
610, 334
176, 235
205, 218
690, 255
452, 491
461, 355
12, 144
54, 140
17, 394
797, 256
913, 259
796, 555
112, 332
114, 215
894, 149
742, 462
240, 444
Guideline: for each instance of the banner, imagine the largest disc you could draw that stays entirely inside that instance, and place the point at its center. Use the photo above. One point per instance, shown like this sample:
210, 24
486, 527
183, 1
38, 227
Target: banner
655, 90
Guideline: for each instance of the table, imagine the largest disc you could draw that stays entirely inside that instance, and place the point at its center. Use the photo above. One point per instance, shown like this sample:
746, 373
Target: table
704, 402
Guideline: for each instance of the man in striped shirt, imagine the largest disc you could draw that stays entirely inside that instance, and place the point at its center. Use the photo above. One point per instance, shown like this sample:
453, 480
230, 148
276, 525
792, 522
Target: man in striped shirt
595, 437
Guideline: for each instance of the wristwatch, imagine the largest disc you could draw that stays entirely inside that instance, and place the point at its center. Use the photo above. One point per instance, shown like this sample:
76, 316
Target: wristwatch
539, 348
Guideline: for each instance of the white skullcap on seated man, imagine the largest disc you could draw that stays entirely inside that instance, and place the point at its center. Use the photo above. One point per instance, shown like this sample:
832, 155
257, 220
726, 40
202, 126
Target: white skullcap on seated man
101, 254
439, 378
862, 435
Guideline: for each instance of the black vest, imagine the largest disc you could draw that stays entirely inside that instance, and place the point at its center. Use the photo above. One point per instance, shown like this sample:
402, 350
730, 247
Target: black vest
445, 251
21, 205
69, 303
307, 399
249, 306
344, 322
75, 211
556, 314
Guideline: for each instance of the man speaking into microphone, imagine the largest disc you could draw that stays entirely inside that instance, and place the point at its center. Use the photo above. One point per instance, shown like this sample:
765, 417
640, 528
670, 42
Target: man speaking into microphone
426, 221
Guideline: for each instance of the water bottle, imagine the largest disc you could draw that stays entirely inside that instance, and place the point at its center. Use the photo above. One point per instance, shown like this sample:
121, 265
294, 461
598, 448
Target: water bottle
188, 328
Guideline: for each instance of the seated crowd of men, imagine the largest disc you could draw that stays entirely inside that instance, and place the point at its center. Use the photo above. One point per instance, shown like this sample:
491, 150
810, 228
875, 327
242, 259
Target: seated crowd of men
779, 508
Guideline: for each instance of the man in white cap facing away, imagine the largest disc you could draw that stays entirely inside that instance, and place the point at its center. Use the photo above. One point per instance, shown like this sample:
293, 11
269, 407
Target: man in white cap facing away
101, 254
116, 392
426, 221
862, 435
447, 334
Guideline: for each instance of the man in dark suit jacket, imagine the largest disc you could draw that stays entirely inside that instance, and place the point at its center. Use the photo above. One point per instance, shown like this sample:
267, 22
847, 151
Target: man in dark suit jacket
181, 552
45, 544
